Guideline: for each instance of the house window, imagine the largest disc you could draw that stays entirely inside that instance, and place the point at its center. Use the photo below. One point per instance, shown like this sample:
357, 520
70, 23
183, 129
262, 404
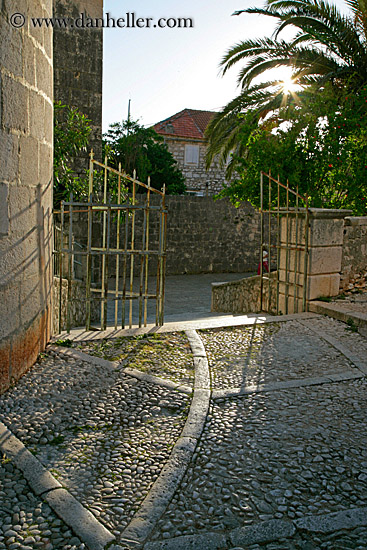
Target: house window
192, 154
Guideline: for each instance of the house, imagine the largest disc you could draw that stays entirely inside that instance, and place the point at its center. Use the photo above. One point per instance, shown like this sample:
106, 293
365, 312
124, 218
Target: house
184, 135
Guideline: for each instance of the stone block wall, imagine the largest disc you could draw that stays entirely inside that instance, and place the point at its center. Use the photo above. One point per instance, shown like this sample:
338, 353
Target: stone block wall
26, 151
354, 260
196, 177
78, 69
243, 296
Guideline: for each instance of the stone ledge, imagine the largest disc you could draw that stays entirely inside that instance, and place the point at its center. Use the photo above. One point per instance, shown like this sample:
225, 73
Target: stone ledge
354, 220
339, 313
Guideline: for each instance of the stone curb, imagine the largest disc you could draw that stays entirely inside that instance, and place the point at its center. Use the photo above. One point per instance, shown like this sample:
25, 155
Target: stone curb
113, 365
264, 532
287, 384
77, 354
40, 479
78, 518
161, 494
340, 314
361, 365
83, 523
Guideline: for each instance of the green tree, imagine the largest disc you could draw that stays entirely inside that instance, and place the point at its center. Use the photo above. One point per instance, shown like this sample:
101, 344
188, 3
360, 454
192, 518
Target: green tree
142, 149
71, 136
326, 47
320, 146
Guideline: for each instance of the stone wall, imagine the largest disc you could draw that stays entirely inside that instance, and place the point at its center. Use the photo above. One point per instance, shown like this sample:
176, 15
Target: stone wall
243, 296
196, 177
78, 69
26, 142
354, 260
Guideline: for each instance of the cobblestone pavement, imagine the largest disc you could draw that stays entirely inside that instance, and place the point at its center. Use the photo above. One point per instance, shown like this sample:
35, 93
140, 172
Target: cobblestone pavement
276, 467
103, 434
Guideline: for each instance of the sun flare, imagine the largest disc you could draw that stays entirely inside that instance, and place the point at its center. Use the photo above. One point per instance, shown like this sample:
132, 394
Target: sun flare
289, 85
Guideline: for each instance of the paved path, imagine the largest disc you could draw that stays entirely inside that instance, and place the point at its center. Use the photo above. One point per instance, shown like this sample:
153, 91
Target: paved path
187, 297
264, 447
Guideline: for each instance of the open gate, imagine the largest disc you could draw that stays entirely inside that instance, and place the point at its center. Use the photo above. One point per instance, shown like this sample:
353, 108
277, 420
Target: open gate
120, 243
285, 239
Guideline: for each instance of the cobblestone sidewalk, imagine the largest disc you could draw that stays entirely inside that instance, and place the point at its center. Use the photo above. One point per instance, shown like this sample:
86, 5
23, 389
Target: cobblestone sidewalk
276, 460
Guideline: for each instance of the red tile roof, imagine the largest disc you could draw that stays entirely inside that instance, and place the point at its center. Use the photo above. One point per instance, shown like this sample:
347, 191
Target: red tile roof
189, 123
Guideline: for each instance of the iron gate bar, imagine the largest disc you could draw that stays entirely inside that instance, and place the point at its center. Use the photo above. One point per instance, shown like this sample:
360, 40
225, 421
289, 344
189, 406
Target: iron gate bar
106, 251
292, 216
117, 268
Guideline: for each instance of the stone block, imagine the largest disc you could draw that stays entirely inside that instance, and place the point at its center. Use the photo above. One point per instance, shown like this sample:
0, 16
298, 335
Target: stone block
22, 201
9, 324
36, 115
26, 347
29, 161
29, 61
290, 304
48, 122
15, 98
293, 259
326, 232
296, 230
4, 209
46, 164
9, 160
4, 366
322, 285
11, 56
44, 74
325, 260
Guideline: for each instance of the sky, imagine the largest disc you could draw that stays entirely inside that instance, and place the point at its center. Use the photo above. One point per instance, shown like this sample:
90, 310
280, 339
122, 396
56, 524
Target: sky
165, 70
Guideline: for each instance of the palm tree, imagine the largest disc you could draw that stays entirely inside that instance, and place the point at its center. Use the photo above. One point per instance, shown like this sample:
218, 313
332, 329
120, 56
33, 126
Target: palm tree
327, 46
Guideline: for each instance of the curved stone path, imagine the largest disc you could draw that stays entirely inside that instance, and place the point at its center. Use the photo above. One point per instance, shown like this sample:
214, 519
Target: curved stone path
269, 450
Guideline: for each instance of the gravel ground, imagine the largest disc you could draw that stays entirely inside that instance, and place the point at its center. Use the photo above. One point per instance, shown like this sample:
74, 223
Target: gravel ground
284, 454
165, 355
249, 356
101, 433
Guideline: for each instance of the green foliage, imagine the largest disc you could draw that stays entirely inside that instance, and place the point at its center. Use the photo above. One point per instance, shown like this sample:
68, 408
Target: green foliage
319, 145
325, 46
143, 150
65, 343
71, 135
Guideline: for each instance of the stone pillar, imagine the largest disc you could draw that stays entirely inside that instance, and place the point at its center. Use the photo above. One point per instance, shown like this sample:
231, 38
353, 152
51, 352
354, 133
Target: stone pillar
26, 157
78, 57
324, 261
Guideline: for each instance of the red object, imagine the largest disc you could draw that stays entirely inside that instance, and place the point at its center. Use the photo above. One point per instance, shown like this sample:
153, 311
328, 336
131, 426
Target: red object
265, 267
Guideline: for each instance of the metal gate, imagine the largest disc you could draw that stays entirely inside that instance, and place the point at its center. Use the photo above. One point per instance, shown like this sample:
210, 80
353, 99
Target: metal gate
284, 238
119, 253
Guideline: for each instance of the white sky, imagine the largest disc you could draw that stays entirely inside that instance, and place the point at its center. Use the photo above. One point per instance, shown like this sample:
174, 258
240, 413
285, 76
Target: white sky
166, 70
